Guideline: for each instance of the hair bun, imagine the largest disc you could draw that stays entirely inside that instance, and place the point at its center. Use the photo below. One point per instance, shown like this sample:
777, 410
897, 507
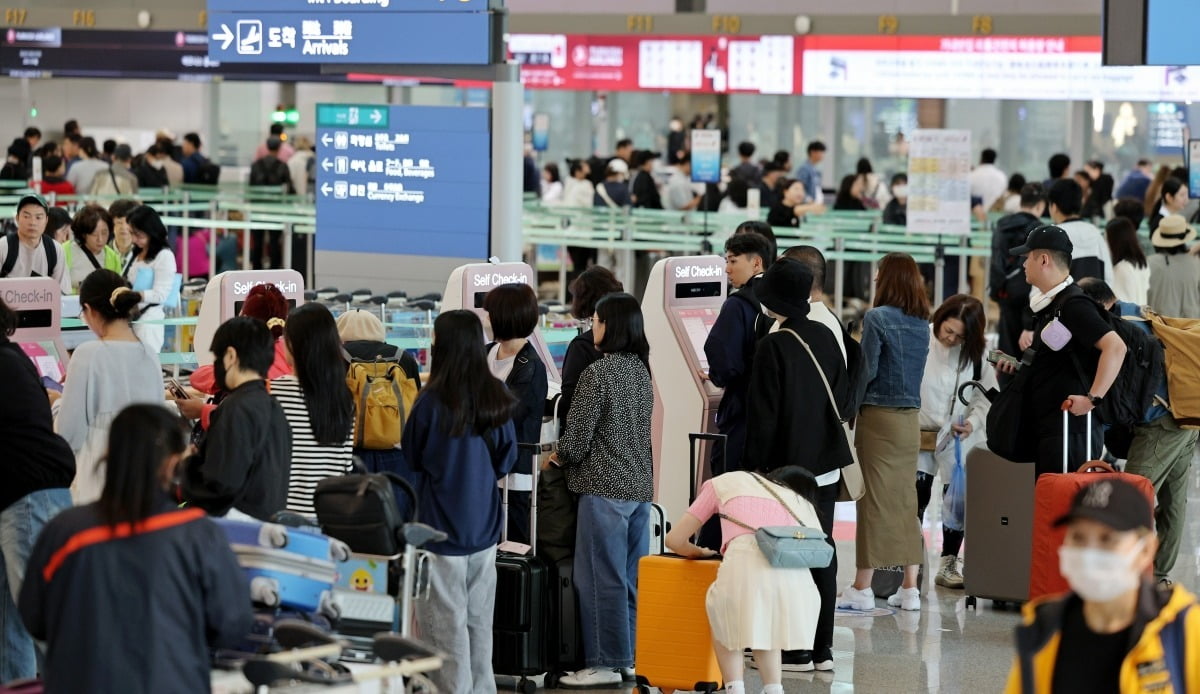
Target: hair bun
125, 302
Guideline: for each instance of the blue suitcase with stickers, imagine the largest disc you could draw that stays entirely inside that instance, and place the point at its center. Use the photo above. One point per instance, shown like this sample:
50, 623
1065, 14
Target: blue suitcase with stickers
287, 567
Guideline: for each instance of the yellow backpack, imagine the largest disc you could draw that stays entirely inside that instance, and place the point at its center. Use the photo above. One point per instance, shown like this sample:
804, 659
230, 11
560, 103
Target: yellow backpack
383, 397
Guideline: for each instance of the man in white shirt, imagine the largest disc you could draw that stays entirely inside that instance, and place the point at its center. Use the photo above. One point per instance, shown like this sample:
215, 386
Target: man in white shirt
680, 194
818, 310
29, 253
987, 181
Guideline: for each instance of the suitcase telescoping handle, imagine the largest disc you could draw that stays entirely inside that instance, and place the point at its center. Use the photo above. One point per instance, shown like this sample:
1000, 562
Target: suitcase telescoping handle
534, 450
721, 440
1066, 439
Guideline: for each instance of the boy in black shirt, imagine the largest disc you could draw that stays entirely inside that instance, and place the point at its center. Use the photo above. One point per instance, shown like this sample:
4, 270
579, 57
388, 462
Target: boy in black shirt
1078, 356
244, 459
1115, 632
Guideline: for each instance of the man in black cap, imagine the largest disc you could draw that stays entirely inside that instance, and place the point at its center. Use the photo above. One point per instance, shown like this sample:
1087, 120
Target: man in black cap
1115, 631
27, 252
790, 420
1076, 354
644, 188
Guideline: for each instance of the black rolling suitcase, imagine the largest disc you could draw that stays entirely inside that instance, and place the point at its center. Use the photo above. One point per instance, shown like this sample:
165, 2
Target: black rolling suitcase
525, 594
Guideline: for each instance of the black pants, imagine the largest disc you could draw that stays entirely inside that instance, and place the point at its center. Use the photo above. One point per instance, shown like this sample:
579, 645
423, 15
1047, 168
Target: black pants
710, 533
951, 539
826, 579
269, 241
518, 516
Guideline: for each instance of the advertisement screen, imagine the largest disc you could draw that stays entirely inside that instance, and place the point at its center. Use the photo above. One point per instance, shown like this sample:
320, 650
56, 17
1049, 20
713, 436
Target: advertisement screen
1171, 32
1194, 168
411, 180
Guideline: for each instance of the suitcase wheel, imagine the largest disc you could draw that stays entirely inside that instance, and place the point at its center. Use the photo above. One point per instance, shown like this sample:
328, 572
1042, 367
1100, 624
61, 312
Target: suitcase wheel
551, 681
526, 686
972, 603
264, 591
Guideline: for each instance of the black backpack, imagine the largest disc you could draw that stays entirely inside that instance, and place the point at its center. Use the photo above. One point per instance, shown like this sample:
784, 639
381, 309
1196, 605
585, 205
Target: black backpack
361, 510
14, 247
1144, 368
208, 173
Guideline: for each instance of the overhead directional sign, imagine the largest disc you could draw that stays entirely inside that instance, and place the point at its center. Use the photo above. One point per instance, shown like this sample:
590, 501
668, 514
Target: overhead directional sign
406, 180
397, 32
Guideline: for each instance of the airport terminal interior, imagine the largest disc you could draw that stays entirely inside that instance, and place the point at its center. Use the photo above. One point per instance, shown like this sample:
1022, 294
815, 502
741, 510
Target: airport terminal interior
720, 293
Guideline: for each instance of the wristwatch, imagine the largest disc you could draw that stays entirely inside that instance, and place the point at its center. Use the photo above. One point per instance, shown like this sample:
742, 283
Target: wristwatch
1095, 399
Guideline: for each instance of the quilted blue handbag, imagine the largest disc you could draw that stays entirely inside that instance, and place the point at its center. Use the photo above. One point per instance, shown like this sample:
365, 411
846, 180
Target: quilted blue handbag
789, 546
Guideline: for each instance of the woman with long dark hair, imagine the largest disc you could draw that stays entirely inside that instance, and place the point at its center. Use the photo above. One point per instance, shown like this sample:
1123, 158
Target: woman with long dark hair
753, 605
317, 404
103, 377
895, 344
589, 288
171, 585
1172, 199
151, 271
957, 342
1131, 272
605, 451
850, 194
459, 441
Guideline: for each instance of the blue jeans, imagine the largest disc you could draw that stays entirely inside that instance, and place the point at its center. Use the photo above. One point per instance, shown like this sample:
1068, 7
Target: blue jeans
610, 538
20, 525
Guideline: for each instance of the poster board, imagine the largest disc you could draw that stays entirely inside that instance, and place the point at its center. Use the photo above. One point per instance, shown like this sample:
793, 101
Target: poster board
939, 187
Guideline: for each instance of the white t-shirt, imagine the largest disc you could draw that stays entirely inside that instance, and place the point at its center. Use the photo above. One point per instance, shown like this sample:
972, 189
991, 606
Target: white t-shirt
31, 261
500, 368
679, 192
989, 183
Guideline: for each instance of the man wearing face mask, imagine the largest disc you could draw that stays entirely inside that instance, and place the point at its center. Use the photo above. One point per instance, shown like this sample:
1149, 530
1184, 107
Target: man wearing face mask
152, 172
1078, 356
1116, 631
242, 464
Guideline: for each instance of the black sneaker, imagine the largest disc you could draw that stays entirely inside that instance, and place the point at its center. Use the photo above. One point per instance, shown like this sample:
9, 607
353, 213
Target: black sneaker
823, 660
797, 661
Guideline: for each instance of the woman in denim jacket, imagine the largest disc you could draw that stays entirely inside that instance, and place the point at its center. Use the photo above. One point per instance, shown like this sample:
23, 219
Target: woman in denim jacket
888, 436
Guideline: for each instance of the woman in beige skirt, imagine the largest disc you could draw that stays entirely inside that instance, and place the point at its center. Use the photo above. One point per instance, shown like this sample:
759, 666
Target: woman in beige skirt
895, 344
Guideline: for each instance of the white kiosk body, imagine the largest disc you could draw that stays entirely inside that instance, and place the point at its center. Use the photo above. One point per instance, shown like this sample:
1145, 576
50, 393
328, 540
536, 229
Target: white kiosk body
38, 303
225, 294
469, 284
683, 299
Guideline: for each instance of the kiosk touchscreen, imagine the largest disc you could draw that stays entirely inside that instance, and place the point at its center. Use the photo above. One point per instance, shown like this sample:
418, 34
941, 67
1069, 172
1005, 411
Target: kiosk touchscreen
225, 294
469, 284
683, 299
38, 303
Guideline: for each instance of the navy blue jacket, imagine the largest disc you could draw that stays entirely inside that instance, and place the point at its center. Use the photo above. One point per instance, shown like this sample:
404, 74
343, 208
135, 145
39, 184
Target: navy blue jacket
457, 476
136, 608
730, 351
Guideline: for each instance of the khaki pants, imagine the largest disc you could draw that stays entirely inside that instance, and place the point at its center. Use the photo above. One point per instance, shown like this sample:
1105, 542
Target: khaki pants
1162, 453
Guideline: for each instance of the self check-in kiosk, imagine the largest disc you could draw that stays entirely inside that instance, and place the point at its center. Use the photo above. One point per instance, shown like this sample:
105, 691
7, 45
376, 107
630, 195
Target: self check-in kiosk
469, 284
225, 294
683, 299
38, 303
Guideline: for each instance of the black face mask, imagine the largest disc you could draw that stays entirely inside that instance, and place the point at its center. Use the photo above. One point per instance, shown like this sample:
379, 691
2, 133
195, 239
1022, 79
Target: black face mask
219, 372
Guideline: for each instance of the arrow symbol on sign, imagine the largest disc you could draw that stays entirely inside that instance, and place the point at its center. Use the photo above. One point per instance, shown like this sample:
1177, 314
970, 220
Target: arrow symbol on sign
376, 116
225, 37
326, 164
325, 189
325, 140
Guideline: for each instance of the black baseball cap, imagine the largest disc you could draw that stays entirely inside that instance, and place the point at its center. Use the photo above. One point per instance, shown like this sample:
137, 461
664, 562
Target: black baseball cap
32, 200
1112, 502
1045, 238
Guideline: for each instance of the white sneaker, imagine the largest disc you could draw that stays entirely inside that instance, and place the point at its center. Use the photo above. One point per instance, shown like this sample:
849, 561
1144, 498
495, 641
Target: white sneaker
949, 575
906, 599
591, 677
854, 599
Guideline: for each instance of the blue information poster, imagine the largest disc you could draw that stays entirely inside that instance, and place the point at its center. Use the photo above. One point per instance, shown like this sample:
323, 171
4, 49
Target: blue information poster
396, 32
405, 180
706, 156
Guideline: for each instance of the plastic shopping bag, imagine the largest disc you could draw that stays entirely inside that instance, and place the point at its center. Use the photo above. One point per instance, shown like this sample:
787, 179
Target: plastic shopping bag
954, 501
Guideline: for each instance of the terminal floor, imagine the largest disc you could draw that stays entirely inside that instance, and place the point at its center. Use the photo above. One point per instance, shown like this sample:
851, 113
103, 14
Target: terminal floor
944, 647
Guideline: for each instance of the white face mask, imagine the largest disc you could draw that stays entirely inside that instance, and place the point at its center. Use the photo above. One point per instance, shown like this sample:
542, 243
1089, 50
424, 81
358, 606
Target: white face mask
900, 191
1098, 575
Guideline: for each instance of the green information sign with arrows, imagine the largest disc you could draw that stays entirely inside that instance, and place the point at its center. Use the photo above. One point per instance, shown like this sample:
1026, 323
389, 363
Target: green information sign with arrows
352, 116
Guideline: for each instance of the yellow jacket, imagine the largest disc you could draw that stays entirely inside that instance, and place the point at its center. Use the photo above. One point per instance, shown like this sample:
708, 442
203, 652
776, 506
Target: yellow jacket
1165, 658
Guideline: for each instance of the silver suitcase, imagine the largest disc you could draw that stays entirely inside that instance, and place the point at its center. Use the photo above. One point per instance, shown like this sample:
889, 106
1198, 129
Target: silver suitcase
999, 528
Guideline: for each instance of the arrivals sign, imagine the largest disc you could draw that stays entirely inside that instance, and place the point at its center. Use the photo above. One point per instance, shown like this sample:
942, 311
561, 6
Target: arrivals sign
398, 32
939, 186
409, 180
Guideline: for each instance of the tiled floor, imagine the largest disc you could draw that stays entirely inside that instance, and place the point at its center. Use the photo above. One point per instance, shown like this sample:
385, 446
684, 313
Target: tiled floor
945, 647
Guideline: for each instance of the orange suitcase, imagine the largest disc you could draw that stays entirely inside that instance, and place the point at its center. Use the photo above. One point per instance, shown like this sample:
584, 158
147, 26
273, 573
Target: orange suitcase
674, 643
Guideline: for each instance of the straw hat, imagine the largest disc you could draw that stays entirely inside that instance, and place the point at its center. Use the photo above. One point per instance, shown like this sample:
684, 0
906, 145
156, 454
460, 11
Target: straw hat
1173, 231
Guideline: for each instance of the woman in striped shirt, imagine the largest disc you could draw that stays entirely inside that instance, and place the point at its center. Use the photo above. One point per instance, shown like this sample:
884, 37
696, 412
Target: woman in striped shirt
317, 404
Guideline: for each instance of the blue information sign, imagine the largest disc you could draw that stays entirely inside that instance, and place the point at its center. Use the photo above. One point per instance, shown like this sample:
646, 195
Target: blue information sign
1171, 32
397, 38
407, 180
